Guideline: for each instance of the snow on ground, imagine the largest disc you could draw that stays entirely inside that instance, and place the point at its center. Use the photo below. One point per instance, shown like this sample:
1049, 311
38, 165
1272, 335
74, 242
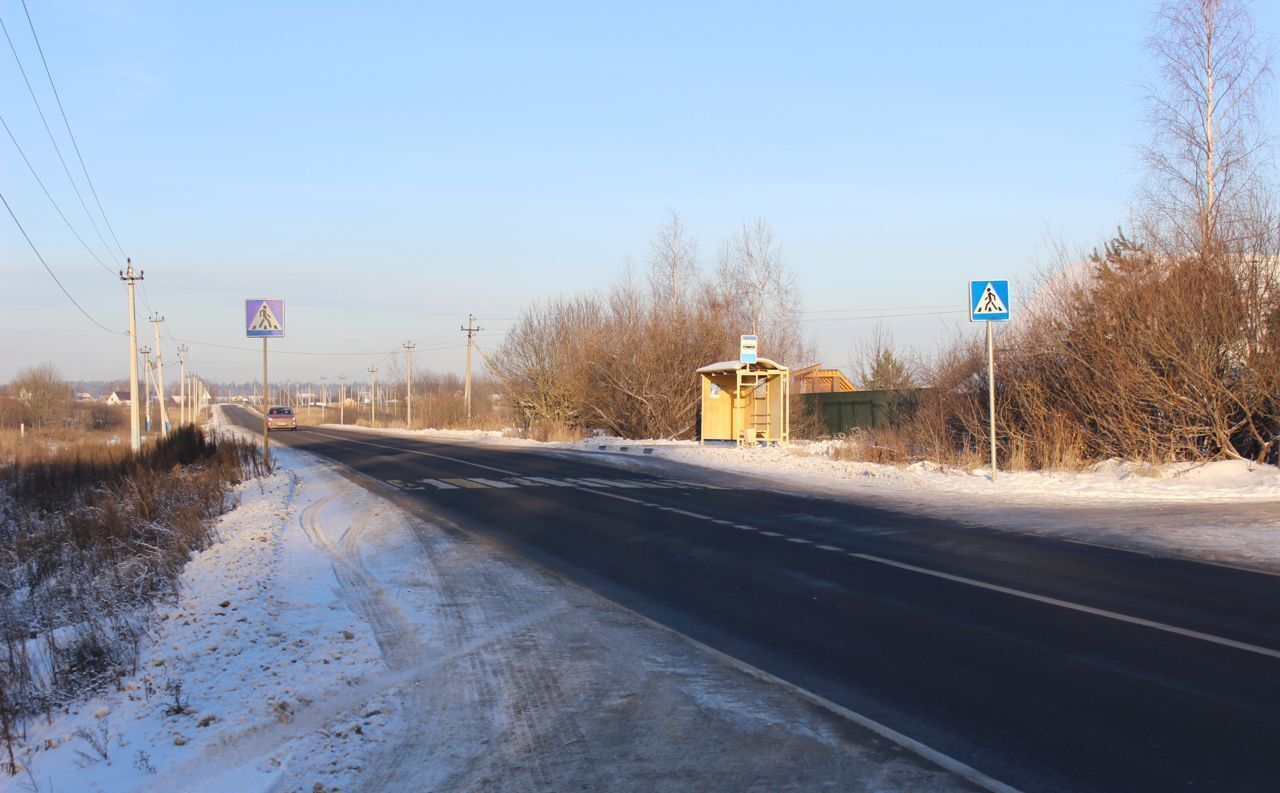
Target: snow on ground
1227, 511
332, 642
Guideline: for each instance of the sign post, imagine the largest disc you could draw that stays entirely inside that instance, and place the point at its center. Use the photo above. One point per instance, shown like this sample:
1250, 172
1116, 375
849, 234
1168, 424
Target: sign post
989, 302
264, 319
747, 349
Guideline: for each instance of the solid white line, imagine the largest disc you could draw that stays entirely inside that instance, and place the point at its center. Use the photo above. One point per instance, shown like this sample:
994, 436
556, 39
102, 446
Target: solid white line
1097, 612
943, 761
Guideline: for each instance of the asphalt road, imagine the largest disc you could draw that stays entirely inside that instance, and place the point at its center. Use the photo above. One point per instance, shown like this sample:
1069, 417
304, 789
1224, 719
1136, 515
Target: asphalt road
1044, 664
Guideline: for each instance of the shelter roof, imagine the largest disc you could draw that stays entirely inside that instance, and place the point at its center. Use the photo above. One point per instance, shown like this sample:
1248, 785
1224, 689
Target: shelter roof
729, 366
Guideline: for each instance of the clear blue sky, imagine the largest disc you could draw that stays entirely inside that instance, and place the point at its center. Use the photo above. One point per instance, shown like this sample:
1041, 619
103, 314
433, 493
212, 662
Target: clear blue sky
389, 167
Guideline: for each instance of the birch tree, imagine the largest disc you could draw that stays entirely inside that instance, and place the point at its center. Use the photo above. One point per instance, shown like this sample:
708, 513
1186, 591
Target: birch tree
1207, 146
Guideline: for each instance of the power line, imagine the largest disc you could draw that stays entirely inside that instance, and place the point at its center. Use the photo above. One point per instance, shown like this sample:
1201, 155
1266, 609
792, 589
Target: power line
54, 141
71, 134
49, 270
48, 195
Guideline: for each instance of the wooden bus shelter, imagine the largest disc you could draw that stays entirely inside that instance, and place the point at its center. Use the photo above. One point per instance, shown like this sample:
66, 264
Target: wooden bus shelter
746, 402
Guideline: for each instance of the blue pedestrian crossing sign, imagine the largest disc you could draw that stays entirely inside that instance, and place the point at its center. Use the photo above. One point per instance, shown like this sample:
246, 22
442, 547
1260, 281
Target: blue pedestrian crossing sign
988, 301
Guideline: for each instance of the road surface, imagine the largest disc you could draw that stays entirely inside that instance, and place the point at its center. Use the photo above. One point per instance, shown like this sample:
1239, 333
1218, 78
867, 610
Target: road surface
1044, 664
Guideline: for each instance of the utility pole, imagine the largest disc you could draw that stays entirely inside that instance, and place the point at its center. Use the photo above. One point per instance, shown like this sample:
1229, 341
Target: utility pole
408, 394
156, 319
183, 410
373, 396
135, 416
342, 399
324, 392
146, 353
470, 330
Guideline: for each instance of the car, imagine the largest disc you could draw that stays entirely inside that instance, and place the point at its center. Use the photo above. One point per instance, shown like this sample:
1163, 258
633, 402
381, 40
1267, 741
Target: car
281, 418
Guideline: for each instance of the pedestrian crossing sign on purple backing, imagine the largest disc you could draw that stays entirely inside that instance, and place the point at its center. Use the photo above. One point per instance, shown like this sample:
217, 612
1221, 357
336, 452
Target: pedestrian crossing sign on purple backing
264, 318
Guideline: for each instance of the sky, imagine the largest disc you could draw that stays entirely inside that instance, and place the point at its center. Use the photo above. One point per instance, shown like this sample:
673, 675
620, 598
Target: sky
390, 168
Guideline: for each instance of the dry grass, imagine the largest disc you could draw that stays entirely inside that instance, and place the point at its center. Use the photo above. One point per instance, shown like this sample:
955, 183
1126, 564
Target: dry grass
90, 535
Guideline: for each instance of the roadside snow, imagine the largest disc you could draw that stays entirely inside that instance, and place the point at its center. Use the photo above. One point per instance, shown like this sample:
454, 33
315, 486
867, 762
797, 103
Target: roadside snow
1226, 511
332, 642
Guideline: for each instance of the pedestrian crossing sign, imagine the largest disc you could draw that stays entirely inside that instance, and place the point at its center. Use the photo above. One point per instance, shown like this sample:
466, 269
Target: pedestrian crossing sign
264, 318
988, 301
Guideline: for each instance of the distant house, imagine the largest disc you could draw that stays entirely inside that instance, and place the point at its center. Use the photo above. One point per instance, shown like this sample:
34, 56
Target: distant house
114, 398
84, 396
813, 379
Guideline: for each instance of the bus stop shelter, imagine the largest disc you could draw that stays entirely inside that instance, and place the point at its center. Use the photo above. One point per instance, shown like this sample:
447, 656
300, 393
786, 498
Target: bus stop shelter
748, 403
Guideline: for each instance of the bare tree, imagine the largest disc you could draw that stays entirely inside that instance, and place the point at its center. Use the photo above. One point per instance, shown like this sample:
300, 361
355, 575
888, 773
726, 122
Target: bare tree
755, 278
1207, 145
44, 394
673, 265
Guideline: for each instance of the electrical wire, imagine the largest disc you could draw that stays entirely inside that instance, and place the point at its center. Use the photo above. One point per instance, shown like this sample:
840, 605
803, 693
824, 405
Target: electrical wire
49, 195
71, 134
54, 141
49, 270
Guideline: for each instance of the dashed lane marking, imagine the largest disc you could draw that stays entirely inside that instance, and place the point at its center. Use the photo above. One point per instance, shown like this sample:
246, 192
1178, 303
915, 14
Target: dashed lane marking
800, 540
829, 547
770, 533
686, 513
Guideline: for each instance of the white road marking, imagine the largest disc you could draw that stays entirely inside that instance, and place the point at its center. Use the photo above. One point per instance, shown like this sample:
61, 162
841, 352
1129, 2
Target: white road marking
403, 485
613, 483
770, 533
621, 498
467, 483
1097, 612
520, 481
745, 528
438, 485
684, 512
549, 481
492, 482
829, 547
800, 540
722, 522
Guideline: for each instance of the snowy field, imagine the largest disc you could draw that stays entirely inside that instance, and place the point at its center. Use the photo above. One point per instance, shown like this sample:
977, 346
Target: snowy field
331, 642
1225, 511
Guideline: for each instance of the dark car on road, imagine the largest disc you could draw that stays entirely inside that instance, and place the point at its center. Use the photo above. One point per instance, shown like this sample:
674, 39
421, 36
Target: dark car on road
281, 418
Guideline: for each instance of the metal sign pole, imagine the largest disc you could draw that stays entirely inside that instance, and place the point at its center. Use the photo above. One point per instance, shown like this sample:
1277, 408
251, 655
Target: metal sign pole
266, 444
991, 396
